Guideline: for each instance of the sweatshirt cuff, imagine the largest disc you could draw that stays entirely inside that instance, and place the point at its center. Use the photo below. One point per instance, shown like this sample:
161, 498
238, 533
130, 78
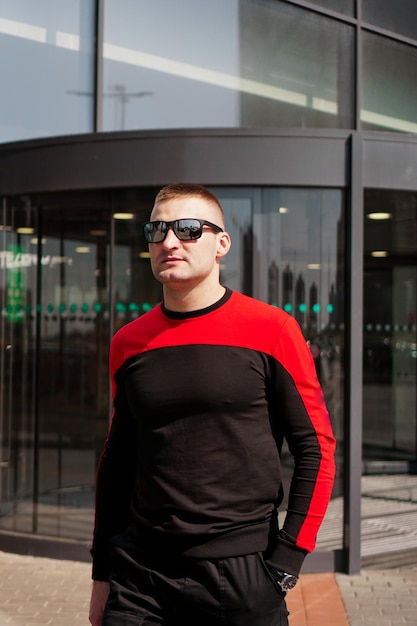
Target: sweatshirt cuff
285, 557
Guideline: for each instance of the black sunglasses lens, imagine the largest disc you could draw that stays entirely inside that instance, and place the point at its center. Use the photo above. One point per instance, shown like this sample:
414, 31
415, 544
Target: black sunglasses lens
188, 229
185, 229
154, 231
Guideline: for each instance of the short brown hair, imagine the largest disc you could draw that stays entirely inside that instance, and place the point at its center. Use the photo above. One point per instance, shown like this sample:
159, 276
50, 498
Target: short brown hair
187, 190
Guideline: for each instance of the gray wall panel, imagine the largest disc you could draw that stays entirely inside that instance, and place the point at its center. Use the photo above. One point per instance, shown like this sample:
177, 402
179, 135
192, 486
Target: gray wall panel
129, 159
390, 162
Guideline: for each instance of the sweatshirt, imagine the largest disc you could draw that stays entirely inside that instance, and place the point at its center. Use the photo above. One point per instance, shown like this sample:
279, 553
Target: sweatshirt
202, 403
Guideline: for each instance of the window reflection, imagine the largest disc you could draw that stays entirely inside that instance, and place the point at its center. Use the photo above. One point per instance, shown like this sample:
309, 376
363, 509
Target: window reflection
346, 7
305, 62
273, 64
47, 63
386, 14
18, 285
299, 245
90, 255
390, 339
389, 85
237, 267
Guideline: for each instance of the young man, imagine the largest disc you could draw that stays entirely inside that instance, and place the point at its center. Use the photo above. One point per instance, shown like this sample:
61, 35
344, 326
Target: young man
205, 388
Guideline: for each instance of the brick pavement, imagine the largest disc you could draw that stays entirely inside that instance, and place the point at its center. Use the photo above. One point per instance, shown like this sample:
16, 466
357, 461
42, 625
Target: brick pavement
38, 591
380, 597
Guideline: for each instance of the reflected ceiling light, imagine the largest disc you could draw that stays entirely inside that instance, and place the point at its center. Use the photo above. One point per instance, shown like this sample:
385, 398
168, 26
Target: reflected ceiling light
123, 216
25, 230
388, 122
283, 209
98, 233
82, 249
137, 58
67, 40
313, 266
144, 255
379, 253
35, 241
4, 227
379, 215
22, 29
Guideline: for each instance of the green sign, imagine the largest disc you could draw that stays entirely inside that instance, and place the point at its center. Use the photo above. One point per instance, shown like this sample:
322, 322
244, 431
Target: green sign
16, 285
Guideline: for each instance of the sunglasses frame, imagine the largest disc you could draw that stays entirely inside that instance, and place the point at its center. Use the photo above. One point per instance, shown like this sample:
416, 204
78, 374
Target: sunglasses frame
174, 224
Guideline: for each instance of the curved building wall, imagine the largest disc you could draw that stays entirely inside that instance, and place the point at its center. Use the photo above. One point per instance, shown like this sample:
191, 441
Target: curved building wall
284, 108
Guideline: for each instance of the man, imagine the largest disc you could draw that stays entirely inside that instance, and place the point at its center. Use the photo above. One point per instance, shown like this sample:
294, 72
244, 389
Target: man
205, 387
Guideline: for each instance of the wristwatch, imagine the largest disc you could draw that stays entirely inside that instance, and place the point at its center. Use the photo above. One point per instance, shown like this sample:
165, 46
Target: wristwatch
284, 580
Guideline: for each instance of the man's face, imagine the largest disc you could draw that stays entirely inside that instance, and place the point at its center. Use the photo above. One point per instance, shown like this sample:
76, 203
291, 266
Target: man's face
183, 264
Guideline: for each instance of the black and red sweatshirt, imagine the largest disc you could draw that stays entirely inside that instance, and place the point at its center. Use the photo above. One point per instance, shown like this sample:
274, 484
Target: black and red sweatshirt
202, 402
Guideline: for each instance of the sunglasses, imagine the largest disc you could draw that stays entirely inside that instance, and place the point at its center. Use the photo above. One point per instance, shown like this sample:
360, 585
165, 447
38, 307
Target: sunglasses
185, 229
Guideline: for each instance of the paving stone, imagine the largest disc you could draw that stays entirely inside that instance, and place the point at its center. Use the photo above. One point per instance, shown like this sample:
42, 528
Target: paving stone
39, 591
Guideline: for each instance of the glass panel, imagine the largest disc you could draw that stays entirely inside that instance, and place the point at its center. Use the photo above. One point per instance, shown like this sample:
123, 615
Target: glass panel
304, 62
53, 365
389, 375
400, 18
168, 64
390, 351
300, 263
73, 374
237, 268
47, 64
272, 64
346, 7
288, 249
135, 289
18, 286
389, 85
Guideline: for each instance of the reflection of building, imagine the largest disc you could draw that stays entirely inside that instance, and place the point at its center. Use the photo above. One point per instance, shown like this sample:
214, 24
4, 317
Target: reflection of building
287, 288
300, 299
313, 306
285, 134
332, 305
273, 283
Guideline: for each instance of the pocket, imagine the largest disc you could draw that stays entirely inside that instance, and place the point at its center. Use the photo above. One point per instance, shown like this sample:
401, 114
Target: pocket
269, 575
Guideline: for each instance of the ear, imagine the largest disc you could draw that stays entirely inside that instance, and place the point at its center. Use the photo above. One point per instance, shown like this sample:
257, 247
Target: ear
223, 244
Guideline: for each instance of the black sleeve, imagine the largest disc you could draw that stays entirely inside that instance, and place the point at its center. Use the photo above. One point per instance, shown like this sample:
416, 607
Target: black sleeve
114, 484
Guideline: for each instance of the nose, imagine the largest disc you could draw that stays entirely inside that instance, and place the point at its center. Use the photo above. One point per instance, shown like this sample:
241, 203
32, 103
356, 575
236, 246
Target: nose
171, 240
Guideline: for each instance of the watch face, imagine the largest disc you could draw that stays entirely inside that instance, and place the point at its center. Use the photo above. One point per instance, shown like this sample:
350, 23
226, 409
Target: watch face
284, 580
288, 582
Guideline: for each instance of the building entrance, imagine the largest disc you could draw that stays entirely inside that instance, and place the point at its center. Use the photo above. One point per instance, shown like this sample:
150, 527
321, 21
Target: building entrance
75, 268
390, 339
389, 483
55, 327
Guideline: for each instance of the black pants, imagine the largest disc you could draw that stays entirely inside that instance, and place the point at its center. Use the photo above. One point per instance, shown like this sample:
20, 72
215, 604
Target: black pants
173, 591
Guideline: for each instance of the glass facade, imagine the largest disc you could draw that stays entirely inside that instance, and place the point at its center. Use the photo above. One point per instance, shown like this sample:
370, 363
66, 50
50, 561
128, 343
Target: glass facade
304, 62
82, 272
47, 63
242, 63
389, 84
346, 7
398, 18
73, 264
390, 335
180, 79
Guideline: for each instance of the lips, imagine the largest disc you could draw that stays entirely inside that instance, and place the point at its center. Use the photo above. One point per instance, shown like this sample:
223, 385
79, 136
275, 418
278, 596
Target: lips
171, 259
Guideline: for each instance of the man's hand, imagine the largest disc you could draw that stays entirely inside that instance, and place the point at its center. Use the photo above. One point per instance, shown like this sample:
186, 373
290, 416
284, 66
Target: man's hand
99, 594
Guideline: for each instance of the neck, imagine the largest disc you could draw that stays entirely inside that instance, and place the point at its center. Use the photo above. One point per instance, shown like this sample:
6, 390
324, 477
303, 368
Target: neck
192, 299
